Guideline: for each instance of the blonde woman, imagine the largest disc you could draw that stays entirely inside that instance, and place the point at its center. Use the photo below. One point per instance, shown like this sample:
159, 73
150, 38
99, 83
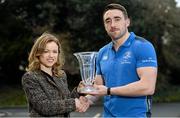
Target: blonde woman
45, 83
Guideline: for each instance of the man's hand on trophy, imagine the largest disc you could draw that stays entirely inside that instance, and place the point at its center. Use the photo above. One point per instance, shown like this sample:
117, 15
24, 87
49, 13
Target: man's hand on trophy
83, 89
101, 90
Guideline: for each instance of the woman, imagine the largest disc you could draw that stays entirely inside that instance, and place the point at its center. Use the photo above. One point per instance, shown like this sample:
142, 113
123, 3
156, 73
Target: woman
45, 82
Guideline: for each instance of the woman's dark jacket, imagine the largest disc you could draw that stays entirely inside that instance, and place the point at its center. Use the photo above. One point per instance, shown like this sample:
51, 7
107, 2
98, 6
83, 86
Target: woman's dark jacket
47, 95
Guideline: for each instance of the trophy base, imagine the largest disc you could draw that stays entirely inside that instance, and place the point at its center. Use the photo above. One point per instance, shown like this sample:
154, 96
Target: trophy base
87, 90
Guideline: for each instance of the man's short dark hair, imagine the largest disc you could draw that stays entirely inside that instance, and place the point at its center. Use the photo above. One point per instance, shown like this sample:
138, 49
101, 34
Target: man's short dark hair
116, 6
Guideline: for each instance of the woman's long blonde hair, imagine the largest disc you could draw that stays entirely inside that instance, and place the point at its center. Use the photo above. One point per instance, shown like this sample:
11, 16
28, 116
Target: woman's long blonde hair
37, 50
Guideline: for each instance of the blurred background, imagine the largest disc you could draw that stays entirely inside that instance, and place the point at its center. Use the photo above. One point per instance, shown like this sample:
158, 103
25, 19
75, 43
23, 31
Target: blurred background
79, 26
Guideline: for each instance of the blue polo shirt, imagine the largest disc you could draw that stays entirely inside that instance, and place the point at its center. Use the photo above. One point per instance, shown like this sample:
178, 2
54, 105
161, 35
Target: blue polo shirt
119, 68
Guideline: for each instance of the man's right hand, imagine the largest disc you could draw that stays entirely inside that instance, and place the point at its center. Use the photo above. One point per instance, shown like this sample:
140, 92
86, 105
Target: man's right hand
82, 104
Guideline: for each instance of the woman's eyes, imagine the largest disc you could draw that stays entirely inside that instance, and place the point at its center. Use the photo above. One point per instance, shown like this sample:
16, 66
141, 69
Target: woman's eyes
55, 51
47, 51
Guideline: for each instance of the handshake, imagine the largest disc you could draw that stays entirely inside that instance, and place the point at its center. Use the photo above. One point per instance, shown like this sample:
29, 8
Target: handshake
84, 102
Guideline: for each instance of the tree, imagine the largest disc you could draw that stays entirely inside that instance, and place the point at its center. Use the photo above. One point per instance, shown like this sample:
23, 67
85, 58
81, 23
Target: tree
158, 21
80, 27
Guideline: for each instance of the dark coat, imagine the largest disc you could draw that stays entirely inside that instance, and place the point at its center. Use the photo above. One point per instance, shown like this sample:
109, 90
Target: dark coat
47, 95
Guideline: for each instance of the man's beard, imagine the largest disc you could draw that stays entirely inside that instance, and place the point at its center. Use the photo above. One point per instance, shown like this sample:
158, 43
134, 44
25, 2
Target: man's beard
119, 36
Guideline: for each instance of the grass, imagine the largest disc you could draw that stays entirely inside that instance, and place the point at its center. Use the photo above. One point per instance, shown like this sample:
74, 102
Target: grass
10, 97
172, 94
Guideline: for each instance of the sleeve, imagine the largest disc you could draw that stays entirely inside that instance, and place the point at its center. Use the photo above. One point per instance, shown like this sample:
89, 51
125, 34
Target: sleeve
146, 55
39, 100
74, 93
98, 69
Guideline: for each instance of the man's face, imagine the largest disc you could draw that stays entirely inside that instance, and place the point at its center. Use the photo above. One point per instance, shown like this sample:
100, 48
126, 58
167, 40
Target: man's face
115, 23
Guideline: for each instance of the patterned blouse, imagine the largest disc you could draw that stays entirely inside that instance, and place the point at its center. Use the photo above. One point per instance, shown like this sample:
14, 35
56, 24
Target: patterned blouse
47, 95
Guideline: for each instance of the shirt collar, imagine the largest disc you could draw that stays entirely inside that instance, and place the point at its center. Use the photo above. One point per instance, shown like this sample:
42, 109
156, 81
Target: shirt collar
127, 43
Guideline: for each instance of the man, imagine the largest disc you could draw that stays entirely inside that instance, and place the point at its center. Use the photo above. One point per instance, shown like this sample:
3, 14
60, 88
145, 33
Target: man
126, 68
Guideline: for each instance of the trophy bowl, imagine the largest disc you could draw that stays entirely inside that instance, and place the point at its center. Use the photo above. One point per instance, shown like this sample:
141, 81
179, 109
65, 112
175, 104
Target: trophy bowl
87, 70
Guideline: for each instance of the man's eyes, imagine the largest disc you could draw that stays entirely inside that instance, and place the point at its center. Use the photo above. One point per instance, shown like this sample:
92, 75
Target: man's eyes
108, 21
116, 19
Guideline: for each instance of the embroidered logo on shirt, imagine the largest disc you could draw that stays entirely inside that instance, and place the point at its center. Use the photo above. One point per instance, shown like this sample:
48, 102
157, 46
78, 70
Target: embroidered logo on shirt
127, 55
105, 57
126, 58
150, 59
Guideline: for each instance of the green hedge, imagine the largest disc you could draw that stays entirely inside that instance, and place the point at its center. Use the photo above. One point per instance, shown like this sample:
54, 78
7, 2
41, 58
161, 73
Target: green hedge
10, 97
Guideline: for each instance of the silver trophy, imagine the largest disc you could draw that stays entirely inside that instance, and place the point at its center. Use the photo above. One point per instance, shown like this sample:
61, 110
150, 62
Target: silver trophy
87, 70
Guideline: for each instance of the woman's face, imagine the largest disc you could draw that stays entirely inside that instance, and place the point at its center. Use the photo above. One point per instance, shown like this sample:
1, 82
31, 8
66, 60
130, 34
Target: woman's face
49, 56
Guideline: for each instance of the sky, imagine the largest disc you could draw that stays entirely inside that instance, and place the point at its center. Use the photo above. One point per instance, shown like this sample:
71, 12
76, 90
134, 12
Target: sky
178, 3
